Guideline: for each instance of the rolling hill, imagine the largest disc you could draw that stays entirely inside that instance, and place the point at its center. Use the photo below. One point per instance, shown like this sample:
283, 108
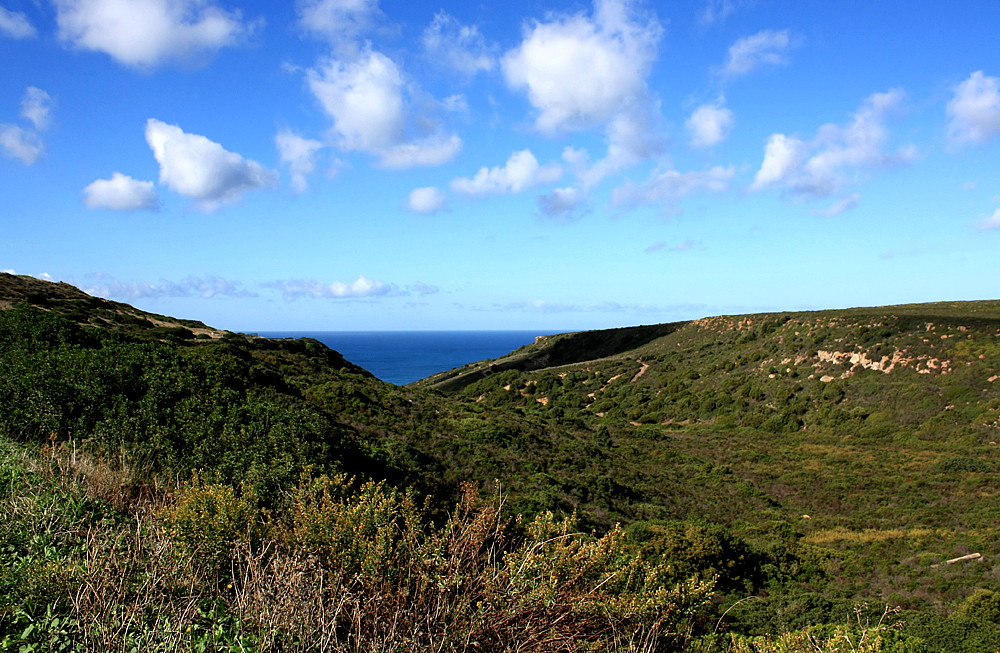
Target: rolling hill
810, 460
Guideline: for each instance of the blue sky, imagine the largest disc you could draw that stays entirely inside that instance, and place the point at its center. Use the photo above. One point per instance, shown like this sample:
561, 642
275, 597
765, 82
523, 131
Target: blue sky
380, 164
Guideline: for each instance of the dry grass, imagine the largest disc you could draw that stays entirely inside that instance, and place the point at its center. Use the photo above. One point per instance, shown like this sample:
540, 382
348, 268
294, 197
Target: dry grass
116, 481
344, 568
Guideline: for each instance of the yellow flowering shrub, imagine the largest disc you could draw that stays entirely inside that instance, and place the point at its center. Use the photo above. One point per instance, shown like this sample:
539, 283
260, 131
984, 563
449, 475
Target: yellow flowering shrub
208, 520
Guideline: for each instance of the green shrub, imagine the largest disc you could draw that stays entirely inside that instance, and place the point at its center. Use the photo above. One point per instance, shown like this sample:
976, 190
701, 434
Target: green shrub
962, 464
699, 549
209, 520
368, 531
982, 606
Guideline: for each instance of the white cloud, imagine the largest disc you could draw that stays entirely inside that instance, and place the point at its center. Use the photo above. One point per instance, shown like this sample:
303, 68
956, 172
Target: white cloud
671, 185
840, 206
338, 20
580, 72
361, 288
425, 200
299, 154
364, 97
709, 125
631, 137
202, 169
457, 46
147, 33
121, 193
992, 222
207, 287
974, 111
783, 157
589, 72
431, 151
16, 25
718, 10
750, 52
562, 203
820, 167
366, 94
521, 171
21, 143
26, 144
36, 107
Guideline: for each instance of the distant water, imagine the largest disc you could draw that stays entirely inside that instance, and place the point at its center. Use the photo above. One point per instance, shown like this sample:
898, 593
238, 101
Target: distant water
402, 357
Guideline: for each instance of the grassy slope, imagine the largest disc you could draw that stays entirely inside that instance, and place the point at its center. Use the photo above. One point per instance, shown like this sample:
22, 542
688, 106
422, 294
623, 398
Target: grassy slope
884, 463
752, 422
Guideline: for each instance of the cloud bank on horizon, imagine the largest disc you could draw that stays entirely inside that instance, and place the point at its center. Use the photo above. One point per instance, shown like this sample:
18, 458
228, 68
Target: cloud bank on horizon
525, 159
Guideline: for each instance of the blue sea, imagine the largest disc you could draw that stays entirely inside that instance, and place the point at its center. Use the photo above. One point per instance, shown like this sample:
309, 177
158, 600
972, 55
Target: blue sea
402, 357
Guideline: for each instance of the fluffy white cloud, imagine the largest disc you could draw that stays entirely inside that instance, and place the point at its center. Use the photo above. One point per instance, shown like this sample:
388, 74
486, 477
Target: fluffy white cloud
425, 200
820, 167
589, 72
20, 143
364, 97
783, 158
16, 25
202, 169
338, 20
457, 46
671, 185
36, 106
709, 125
299, 154
974, 110
207, 287
840, 206
360, 288
146, 33
764, 47
521, 171
121, 193
580, 72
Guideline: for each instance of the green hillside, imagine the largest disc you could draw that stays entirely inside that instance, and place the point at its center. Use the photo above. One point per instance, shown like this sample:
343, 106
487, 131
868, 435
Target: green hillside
769, 474
870, 433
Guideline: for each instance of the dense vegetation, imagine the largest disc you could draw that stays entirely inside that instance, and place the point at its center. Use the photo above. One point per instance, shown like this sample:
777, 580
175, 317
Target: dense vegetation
779, 482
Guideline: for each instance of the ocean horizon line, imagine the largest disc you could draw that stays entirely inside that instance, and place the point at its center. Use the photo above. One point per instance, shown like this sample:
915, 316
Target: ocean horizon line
296, 331
405, 356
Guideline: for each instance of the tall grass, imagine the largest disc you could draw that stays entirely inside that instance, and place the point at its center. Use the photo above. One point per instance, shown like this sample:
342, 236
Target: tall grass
339, 566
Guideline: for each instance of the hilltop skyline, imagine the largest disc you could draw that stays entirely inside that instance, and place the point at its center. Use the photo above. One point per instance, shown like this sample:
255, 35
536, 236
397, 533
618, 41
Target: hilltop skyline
356, 164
